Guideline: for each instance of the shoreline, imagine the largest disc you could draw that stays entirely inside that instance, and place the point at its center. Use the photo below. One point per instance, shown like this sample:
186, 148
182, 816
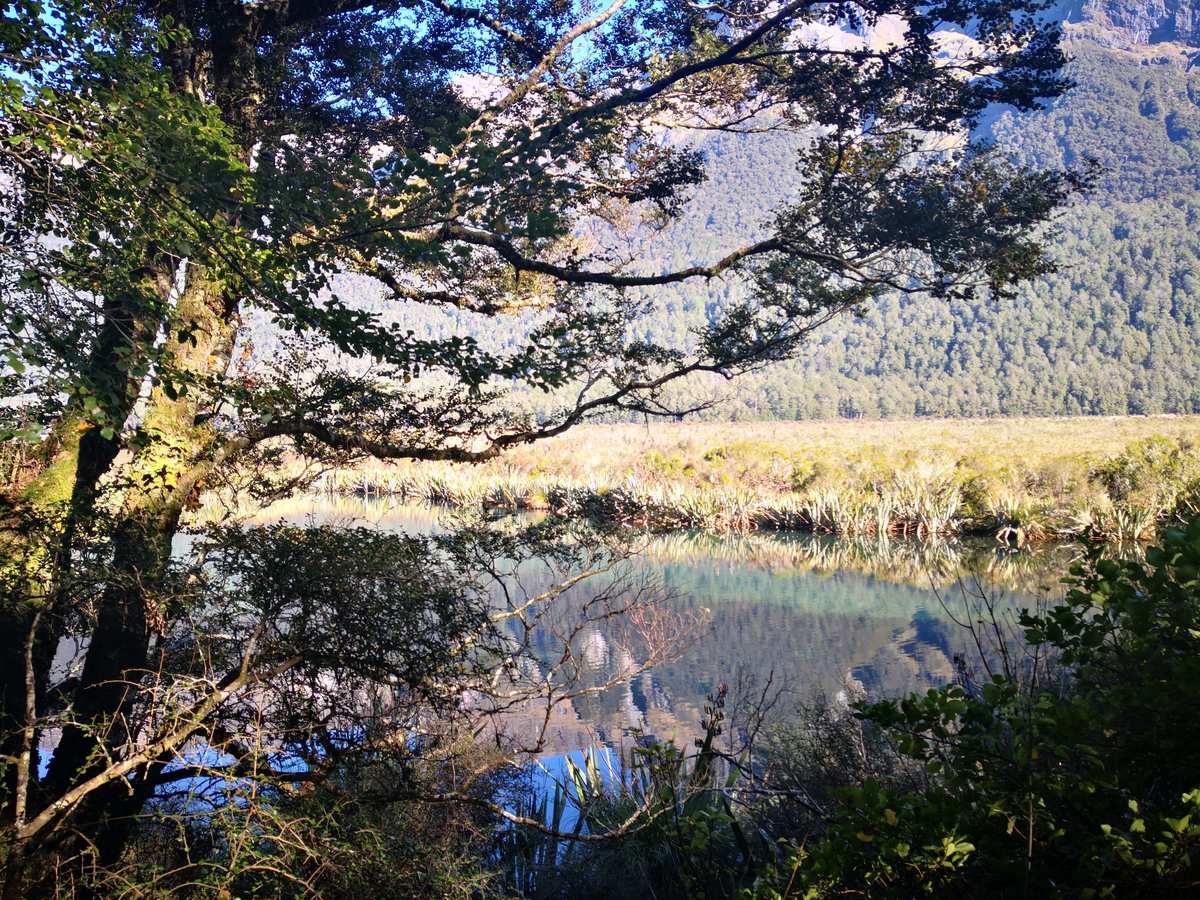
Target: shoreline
1016, 481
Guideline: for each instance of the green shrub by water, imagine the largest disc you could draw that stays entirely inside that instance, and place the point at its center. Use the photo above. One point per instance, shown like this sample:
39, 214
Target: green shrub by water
1065, 763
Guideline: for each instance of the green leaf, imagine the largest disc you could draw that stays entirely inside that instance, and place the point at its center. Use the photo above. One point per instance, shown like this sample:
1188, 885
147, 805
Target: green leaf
1178, 825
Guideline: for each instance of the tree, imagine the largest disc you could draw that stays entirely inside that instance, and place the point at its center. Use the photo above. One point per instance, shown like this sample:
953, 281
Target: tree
171, 165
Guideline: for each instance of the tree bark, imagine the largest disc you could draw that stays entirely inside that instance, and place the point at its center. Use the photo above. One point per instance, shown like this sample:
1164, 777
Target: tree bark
38, 532
162, 474
165, 469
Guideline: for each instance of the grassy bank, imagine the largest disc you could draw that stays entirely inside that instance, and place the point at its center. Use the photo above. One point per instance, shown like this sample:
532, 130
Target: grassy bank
1019, 479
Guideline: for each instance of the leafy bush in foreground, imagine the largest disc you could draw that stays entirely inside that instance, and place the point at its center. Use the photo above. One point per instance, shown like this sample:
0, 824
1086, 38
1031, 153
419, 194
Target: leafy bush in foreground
1074, 771
1069, 766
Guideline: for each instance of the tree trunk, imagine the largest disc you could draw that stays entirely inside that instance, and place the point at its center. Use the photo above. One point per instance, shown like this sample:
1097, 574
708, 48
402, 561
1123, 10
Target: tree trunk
162, 475
57, 502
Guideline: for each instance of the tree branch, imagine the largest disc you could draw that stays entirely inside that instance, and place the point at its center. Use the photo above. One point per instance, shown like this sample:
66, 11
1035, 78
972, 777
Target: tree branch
509, 252
228, 686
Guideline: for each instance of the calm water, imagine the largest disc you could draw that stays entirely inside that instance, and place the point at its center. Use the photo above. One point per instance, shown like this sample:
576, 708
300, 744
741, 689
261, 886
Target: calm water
819, 616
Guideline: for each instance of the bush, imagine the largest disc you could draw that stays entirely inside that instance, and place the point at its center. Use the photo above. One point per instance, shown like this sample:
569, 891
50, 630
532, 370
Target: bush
1072, 772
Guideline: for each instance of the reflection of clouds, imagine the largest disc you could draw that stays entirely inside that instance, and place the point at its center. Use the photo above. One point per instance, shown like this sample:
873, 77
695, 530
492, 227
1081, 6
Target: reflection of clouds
596, 653
624, 661
646, 706
529, 668
631, 716
656, 695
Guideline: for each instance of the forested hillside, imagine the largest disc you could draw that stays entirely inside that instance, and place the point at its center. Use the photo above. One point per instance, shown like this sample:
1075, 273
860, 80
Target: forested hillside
1115, 331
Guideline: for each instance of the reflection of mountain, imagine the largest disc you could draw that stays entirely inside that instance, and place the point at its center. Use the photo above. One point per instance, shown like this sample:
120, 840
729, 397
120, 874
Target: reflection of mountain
816, 633
777, 604
922, 652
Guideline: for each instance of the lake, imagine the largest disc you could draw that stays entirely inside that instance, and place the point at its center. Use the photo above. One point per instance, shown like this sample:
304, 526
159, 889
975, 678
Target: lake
820, 617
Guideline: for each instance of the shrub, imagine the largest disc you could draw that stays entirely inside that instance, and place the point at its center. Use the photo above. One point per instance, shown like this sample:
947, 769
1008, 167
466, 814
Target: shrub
1071, 772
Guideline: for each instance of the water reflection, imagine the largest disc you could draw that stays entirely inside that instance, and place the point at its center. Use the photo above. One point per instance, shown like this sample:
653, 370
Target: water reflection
819, 615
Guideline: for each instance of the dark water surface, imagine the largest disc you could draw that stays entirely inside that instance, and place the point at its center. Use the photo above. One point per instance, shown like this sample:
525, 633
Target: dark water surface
819, 616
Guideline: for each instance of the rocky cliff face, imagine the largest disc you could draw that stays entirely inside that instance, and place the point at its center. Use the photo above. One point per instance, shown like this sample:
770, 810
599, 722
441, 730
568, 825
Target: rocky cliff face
1142, 22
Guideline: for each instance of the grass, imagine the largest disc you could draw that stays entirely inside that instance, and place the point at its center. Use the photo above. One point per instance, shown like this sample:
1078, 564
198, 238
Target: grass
1021, 480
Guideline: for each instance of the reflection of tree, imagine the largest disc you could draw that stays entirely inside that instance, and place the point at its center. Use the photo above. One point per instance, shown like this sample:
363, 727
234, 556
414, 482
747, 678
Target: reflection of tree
902, 561
819, 611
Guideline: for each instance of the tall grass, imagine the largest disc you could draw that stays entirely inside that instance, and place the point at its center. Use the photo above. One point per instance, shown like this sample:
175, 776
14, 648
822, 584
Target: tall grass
1022, 480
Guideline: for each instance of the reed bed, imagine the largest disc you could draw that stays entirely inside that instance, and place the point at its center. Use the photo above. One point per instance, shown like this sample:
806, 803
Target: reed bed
942, 562
1019, 480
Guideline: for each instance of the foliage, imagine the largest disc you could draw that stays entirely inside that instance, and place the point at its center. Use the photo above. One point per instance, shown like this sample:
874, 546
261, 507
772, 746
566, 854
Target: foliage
683, 839
275, 839
110, 170
1061, 762
170, 169
318, 687
1069, 772
1112, 332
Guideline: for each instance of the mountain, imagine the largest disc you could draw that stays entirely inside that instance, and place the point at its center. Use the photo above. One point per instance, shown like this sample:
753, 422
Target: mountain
1130, 23
1116, 330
